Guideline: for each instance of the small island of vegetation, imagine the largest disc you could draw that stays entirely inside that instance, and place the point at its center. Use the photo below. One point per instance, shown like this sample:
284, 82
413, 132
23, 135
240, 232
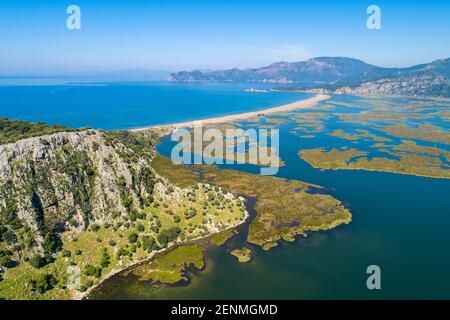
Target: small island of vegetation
243, 255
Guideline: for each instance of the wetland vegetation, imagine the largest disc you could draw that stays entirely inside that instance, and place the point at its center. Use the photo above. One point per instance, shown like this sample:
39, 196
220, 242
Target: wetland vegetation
243, 255
386, 134
283, 207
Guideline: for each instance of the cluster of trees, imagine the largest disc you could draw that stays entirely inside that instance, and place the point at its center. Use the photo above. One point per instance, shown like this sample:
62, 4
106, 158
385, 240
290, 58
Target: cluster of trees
149, 244
123, 252
176, 218
133, 237
9, 221
106, 259
37, 261
90, 270
168, 235
135, 215
43, 283
139, 144
5, 258
190, 213
51, 244
14, 130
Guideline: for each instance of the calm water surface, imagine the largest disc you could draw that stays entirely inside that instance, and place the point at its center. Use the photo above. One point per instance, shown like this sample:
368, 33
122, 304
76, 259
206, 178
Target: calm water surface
400, 222
116, 105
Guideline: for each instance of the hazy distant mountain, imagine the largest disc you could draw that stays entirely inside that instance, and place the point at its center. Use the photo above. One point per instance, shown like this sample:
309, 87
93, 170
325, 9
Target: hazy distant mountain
338, 75
323, 69
430, 79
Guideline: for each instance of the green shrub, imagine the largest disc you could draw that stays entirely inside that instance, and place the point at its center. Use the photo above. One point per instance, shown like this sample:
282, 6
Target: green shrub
15, 223
5, 260
148, 243
43, 283
169, 235
14, 130
123, 252
37, 261
66, 253
106, 259
90, 270
132, 237
192, 212
51, 242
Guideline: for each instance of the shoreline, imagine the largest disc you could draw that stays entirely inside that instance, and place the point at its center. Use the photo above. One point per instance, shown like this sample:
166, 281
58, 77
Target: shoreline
300, 104
376, 170
85, 295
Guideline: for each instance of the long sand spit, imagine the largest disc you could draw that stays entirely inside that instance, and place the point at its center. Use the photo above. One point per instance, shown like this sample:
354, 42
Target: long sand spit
301, 104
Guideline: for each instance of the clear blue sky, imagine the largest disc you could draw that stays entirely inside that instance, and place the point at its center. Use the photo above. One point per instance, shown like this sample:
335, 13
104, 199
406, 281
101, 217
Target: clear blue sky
176, 35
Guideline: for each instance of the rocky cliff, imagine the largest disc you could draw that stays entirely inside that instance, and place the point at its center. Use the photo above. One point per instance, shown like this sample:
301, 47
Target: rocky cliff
69, 180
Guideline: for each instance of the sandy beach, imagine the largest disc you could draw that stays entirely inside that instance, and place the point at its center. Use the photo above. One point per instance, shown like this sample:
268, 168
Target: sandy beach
301, 104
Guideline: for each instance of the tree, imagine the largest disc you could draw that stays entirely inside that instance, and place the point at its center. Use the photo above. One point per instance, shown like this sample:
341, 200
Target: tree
43, 283
9, 237
132, 237
37, 261
169, 235
190, 213
148, 243
90, 270
106, 259
5, 260
133, 215
123, 252
128, 203
66, 253
51, 242
15, 223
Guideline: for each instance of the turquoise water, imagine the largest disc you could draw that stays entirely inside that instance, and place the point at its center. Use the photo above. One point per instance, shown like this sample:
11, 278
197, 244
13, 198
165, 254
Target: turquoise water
121, 105
400, 223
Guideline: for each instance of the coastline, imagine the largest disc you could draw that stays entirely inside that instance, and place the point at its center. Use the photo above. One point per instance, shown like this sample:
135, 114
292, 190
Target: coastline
85, 295
375, 170
300, 104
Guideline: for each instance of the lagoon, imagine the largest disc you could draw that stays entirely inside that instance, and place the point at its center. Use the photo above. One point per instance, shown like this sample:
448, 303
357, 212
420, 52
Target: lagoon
400, 223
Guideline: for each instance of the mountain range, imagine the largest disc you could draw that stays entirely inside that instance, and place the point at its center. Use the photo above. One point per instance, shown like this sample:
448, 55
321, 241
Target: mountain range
337, 75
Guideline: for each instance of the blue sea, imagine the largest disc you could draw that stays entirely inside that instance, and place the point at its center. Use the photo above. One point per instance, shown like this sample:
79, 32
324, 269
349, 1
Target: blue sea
124, 105
400, 222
